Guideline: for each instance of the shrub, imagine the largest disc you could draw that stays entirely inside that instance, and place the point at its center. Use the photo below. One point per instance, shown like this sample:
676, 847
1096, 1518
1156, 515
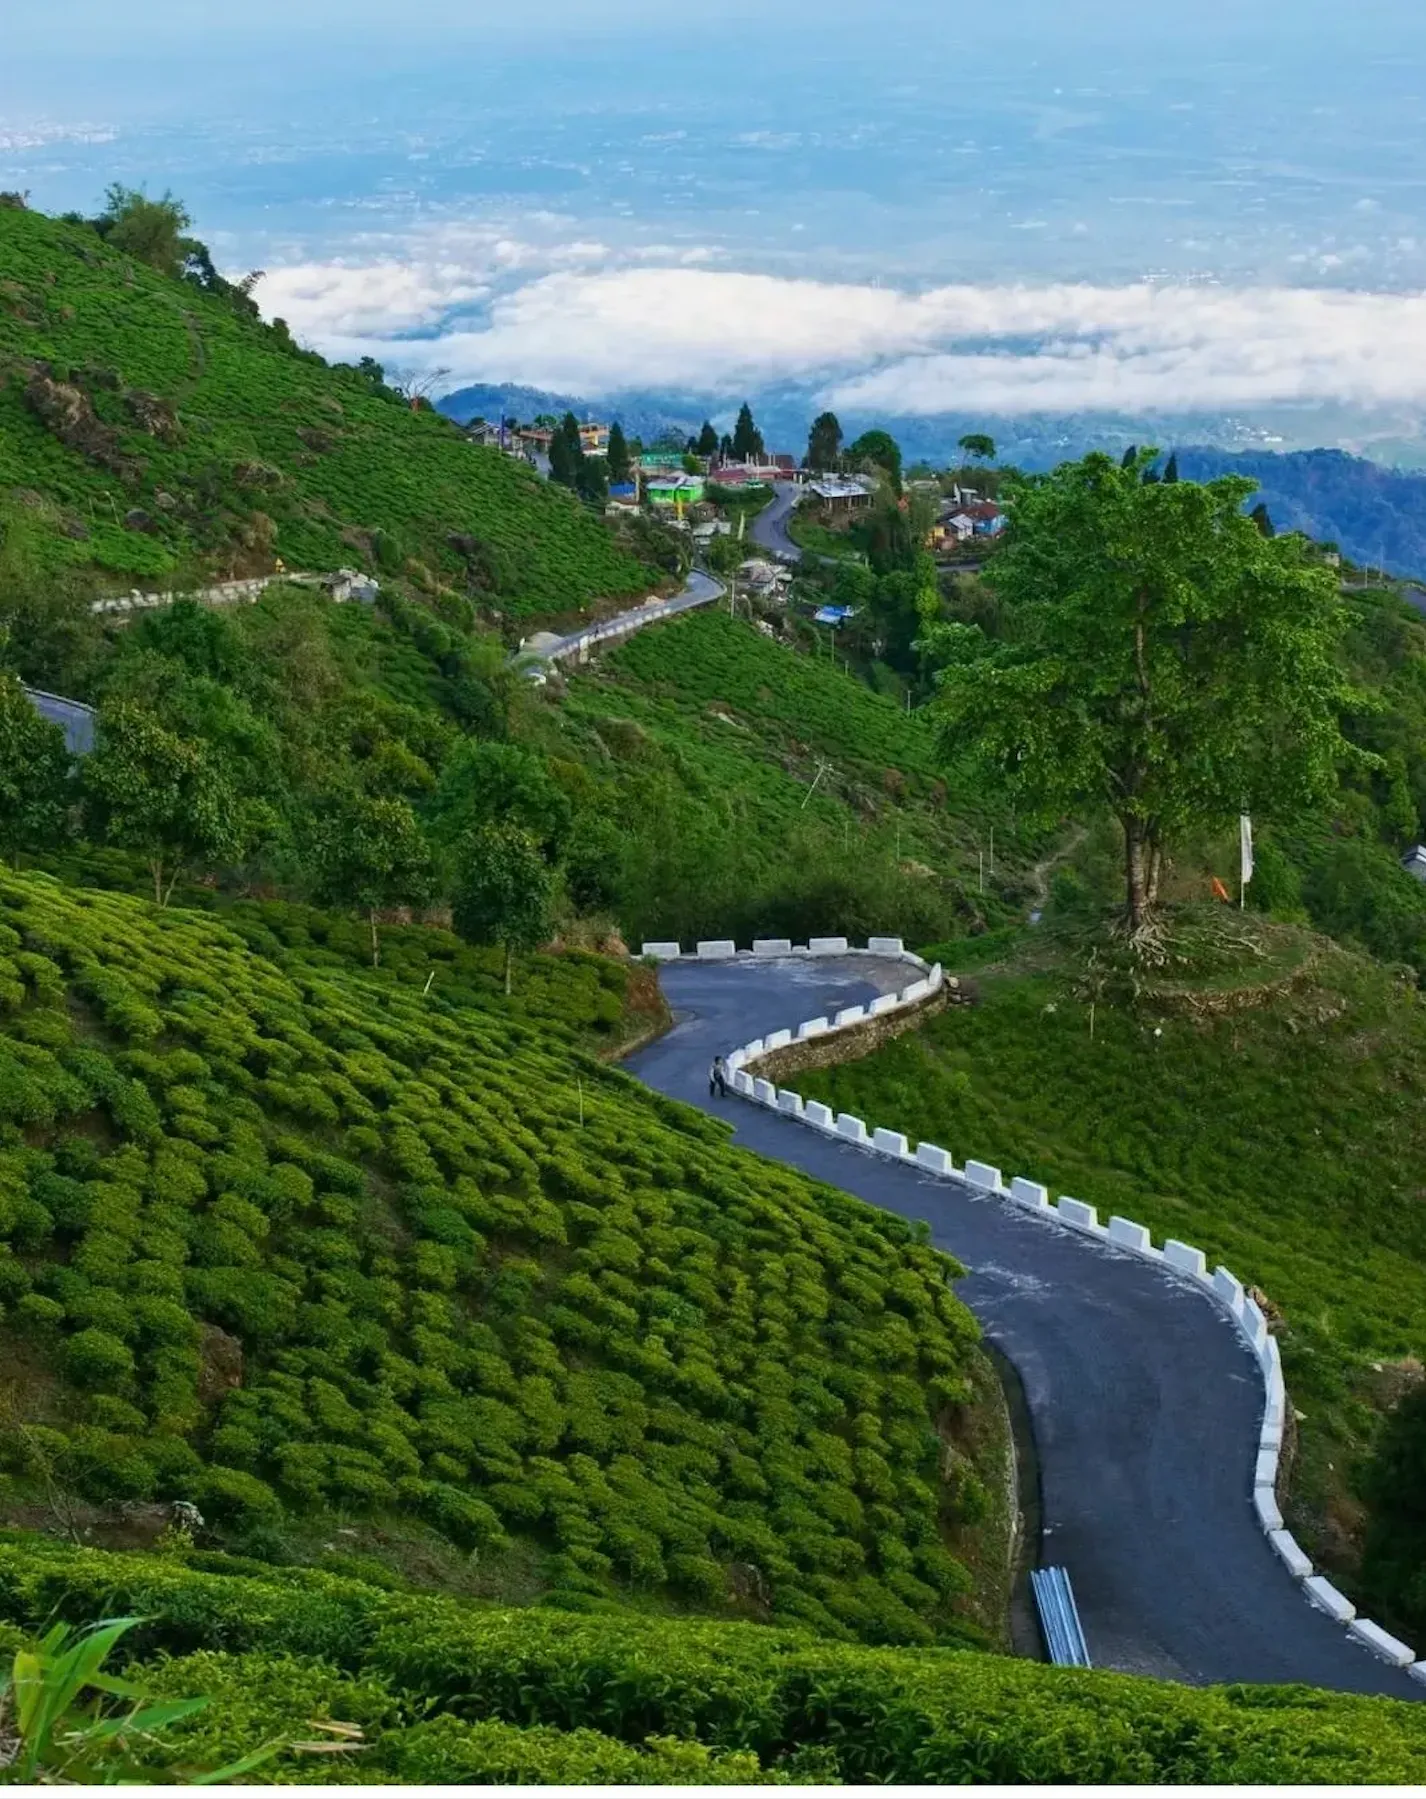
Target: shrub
95, 1358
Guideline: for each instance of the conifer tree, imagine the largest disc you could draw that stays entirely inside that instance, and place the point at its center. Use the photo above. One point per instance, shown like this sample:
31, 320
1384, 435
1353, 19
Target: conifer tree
824, 442
747, 439
618, 458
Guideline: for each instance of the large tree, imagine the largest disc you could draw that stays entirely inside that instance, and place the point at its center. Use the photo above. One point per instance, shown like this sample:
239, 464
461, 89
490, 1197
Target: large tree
567, 453
1162, 659
979, 446
707, 440
149, 789
503, 891
824, 442
151, 230
747, 439
35, 789
369, 854
878, 450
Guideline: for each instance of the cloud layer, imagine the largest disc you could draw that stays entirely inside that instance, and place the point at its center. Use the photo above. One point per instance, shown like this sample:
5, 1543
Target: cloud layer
560, 317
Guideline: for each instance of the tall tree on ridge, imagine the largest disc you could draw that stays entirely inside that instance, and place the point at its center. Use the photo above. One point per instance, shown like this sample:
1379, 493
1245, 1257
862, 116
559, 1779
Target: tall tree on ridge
707, 443
824, 442
1168, 663
747, 439
618, 458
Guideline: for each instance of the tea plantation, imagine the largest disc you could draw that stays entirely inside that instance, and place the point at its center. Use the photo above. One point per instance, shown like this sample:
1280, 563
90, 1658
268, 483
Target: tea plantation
151, 434
443, 1692
291, 1241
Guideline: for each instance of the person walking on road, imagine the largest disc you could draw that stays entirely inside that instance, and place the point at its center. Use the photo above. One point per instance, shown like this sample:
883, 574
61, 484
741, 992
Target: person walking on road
718, 1079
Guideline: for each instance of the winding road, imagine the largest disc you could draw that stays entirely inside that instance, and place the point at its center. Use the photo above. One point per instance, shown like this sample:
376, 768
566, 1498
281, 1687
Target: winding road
769, 527
1144, 1403
699, 589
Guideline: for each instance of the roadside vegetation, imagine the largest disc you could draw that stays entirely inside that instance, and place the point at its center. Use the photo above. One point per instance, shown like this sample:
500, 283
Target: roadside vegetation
298, 1239
405, 1688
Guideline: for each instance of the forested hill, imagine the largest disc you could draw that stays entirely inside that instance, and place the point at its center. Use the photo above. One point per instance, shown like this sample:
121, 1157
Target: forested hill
154, 430
1376, 516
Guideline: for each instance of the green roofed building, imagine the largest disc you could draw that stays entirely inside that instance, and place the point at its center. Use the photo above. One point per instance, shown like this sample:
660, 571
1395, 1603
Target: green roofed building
673, 490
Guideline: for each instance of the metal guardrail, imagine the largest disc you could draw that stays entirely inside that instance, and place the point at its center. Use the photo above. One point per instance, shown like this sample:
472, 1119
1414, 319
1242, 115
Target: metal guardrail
1059, 1618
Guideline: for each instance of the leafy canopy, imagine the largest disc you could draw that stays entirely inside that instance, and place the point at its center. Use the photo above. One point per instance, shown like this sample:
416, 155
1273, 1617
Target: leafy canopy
1162, 659
34, 775
151, 790
150, 230
503, 891
370, 854
878, 450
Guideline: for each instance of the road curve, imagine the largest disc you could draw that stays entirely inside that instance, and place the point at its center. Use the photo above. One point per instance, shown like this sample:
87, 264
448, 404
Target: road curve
1145, 1403
699, 589
769, 527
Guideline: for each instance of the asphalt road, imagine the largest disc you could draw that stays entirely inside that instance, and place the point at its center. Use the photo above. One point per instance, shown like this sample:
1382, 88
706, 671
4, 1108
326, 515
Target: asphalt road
73, 716
769, 527
698, 590
1145, 1405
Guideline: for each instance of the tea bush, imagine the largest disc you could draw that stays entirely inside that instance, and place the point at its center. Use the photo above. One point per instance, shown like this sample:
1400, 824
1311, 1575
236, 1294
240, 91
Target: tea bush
299, 1238
447, 1692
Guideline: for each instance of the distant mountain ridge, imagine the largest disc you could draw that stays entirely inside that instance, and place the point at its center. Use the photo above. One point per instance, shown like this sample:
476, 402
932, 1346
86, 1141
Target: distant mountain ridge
1375, 515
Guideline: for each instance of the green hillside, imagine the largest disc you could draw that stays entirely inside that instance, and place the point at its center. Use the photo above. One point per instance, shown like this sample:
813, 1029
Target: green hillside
152, 433
760, 791
304, 1242
446, 1693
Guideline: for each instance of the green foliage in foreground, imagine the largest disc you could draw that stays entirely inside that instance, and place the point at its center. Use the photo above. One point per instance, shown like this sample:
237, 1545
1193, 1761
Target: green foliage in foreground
57, 1705
296, 1237
223, 446
1285, 1139
449, 1693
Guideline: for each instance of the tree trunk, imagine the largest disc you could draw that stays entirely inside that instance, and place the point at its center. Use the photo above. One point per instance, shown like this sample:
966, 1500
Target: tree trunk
1156, 870
509, 958
1136, 872
156, 870
375, 940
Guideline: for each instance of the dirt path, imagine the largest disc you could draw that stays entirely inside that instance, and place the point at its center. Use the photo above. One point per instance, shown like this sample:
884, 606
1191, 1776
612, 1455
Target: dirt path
1040, 872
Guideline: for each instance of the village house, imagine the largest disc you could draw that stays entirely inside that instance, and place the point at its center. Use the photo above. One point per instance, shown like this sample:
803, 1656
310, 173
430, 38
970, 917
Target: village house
678, 490
986, 518
834, 494
769, 580
488, 435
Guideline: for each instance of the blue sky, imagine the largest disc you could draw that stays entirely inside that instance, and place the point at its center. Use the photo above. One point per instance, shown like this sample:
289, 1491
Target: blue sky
1032, 205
